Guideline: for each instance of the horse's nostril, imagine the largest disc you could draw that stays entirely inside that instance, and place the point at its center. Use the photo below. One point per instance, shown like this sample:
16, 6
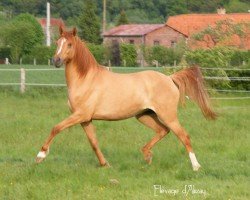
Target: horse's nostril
56, 60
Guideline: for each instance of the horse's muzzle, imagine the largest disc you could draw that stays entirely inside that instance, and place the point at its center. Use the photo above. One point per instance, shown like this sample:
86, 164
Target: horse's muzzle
57, 62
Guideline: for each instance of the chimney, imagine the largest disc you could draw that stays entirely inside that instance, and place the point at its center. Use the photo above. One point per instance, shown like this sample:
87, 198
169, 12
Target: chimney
221, 11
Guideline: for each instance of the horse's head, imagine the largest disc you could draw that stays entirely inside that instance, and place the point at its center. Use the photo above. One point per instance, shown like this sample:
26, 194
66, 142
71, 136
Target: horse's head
65, 47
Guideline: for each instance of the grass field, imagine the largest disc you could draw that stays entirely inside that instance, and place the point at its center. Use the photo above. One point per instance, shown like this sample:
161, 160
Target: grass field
71, 170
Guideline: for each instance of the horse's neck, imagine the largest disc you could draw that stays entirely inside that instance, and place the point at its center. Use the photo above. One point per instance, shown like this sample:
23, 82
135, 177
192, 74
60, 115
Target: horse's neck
81, 68
74, 79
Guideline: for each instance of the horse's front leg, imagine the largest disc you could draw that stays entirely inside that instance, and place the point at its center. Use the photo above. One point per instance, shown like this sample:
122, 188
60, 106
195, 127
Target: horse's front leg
90, 132
73, 119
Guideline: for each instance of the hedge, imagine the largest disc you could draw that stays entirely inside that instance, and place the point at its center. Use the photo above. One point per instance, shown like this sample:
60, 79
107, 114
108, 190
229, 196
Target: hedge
41, 53
5, 52
128, 55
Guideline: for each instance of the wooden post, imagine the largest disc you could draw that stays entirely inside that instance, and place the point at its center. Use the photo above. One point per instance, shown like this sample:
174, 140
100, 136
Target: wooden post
49, 62
21, 61
109, 63
34, 62
22, 83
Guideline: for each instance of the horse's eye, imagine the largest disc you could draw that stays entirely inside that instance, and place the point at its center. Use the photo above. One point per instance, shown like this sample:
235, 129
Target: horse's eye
69, 45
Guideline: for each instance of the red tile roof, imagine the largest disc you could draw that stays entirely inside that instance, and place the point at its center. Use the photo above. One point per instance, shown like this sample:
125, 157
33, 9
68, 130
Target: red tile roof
132, 30
53, 22
192, 23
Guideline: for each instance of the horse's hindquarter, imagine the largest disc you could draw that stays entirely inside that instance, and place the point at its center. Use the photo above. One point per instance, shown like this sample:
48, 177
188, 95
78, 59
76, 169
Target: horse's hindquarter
125, 95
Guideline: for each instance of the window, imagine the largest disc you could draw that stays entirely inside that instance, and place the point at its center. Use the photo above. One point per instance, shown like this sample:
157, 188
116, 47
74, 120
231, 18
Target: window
114, 42
173, 43
131, 41
156, 42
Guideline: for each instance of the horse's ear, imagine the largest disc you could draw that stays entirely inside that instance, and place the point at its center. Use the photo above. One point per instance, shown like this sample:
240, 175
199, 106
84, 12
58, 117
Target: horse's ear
61, 30
74, 31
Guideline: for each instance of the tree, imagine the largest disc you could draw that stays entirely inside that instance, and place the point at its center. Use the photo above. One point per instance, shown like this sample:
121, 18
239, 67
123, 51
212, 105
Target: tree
39, 35
89, 24
20, 38
21, 34
122, 19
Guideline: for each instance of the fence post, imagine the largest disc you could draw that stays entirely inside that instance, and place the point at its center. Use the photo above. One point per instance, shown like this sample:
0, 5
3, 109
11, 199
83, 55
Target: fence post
21, 61
49, 62
124, 63
109, 63
22, 83
34, 61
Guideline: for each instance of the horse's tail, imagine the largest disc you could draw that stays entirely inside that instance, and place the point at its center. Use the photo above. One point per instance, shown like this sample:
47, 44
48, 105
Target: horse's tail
190, 82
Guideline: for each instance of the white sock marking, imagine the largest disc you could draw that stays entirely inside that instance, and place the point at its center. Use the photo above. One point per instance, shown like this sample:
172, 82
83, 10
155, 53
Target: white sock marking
41, 154
194, 161
61, 45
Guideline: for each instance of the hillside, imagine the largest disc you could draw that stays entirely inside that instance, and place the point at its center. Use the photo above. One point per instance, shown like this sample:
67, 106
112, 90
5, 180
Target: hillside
138, 11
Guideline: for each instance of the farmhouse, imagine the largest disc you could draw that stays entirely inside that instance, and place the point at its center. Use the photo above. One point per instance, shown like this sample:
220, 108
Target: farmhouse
177, 28
144, 34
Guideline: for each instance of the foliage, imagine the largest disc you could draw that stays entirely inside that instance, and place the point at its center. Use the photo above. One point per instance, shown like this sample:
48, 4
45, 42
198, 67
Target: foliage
138, 11
122, 19
100, 52
21, 35
219, 57
128, 54
41, 53
239, 6
164, 55
222, 31
5, 52
39, 38
89, 24
20, 38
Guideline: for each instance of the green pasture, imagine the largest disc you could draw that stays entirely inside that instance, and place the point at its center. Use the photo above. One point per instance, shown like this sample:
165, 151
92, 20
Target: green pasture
71, 170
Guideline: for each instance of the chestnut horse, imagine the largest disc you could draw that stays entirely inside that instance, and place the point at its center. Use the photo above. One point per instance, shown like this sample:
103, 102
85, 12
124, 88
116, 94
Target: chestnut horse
95, 93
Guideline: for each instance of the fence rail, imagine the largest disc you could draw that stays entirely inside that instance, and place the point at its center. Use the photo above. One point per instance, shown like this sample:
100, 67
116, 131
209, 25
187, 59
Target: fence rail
23, 82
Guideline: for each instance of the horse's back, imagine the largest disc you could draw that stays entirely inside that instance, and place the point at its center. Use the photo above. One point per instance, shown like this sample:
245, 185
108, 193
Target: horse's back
125, 95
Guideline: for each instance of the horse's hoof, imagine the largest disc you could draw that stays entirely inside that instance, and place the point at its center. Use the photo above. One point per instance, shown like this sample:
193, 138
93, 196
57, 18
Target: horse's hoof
148, 159
41, 156
148, 155
106, 165
39, 160
196, 167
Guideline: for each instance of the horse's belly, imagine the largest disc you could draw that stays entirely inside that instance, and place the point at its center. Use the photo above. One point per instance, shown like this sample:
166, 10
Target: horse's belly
117, 112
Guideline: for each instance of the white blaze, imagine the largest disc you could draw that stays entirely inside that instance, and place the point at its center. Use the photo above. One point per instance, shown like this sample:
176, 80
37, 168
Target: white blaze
61, 45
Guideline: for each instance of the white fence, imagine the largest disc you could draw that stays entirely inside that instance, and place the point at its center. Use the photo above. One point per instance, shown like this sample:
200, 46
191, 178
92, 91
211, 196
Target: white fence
22, 84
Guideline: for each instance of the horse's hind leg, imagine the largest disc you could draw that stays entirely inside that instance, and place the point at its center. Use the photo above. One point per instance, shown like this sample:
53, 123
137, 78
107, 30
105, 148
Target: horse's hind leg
150, 120
169, 118
90, 132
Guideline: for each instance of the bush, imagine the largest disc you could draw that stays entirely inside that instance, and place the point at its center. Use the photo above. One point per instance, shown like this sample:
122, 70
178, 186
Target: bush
128, 54
100, 53
239, 57
41, 53
5, 52
221, 57
164, 55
